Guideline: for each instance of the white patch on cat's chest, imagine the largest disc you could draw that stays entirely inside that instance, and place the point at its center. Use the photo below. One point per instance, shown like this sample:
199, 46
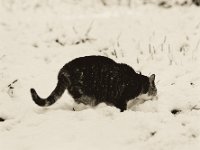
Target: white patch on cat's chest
145, 97
134, 102
139, 100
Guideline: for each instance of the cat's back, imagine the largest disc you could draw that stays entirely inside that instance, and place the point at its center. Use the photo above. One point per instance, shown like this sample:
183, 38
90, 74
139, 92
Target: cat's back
91, 60
88, 62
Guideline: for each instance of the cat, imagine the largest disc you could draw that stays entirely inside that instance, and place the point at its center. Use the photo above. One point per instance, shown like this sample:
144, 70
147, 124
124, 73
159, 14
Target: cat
95, 79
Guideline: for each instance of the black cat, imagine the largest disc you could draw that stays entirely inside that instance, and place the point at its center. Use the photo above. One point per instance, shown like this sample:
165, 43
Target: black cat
94, 79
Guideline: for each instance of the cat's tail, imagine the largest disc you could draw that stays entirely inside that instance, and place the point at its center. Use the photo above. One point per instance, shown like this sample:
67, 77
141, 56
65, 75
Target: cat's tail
53, 97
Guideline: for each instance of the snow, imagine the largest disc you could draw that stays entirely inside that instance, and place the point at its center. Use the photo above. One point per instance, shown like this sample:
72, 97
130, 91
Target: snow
38, 37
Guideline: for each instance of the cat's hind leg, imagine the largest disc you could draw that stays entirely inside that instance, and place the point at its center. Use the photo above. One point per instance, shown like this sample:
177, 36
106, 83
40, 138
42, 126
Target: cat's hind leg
84, 102
80, 106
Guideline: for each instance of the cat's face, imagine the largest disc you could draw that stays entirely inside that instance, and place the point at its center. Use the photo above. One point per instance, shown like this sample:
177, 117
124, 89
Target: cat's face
152, 90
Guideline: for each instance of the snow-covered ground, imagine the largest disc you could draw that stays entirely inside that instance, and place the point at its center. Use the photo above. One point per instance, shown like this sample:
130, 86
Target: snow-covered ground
38, 37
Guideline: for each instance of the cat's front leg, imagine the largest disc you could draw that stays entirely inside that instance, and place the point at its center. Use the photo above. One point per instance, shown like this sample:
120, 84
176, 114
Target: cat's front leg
122, 105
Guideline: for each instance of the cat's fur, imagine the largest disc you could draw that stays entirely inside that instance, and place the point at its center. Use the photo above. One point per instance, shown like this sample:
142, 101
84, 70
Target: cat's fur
95, 79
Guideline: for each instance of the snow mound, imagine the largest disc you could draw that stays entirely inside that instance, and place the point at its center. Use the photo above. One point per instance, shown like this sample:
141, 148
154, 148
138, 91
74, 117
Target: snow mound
38, 37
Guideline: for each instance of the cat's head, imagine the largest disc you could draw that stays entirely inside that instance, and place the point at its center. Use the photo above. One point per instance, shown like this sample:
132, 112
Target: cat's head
149, 90
152, 91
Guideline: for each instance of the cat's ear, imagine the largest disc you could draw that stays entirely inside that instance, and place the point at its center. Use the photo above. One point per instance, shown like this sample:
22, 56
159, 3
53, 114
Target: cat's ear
152, 78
